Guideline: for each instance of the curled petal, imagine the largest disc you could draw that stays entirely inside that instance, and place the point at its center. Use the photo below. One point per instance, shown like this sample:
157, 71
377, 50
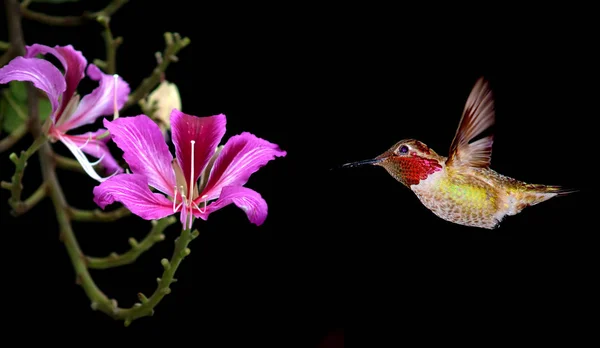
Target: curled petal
73, 63
98, 103
77, 152
241, 156
133, 192
41, 73
206, 132
244, 198
97, 148
144, 149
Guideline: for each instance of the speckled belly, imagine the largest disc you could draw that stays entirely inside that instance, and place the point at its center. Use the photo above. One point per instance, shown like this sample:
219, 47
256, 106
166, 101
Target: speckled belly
459, 199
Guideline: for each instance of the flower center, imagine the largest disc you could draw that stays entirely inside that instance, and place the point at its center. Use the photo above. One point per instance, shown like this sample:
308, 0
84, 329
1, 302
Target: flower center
185, 188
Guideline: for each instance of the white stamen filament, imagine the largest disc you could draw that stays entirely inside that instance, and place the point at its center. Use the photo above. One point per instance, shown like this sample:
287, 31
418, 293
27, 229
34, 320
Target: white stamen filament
191, 184
116, 110
98, 161
86, 142
174, 198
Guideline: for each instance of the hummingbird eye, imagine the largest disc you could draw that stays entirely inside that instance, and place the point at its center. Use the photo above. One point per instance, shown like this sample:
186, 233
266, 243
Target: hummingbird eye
403, 149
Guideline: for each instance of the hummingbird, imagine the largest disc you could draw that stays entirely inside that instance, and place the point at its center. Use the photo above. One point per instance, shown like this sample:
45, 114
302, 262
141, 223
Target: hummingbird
462, 188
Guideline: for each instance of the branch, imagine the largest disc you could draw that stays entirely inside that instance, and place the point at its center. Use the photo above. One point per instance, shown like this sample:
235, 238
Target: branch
174, 43
97, 215
146, 306
13, 137
115, 260
111, 43
16, 186
70, 21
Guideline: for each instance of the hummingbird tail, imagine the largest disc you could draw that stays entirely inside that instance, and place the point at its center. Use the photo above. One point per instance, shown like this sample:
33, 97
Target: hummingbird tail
533, 194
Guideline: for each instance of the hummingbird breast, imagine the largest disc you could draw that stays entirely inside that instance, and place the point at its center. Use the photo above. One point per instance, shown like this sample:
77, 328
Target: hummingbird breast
462, 197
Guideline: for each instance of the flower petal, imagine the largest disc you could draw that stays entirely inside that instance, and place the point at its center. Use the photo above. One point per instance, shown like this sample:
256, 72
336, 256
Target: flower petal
97, 148
98, 103
133, 192
144, 149
244, 198
41, 73
241, 156
205, 131
72, 61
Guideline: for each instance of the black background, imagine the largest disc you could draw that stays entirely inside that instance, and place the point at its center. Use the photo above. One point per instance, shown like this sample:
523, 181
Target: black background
342, 251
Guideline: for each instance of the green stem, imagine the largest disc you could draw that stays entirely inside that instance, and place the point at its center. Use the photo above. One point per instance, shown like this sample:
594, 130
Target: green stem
111, 45
22, 207
137, 248
147, 305
4, 46
174, 43
97, 215
20, 162
70, 21
12, 138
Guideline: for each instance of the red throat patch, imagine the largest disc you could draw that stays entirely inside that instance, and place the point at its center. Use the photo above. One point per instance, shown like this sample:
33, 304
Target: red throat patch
414, 168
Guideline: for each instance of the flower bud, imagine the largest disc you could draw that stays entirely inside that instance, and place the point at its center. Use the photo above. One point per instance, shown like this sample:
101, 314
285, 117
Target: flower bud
164, 98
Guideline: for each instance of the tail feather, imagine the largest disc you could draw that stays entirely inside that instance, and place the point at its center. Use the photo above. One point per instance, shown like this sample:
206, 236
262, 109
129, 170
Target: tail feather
533, 194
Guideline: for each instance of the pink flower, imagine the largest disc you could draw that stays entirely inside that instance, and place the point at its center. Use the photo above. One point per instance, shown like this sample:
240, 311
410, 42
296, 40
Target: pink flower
68, 110
224, 170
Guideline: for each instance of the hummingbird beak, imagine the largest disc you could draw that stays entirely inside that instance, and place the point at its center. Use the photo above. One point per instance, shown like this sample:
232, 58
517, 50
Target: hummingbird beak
362, 163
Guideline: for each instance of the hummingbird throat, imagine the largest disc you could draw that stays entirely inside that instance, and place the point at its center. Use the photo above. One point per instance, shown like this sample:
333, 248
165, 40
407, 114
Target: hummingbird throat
411, 170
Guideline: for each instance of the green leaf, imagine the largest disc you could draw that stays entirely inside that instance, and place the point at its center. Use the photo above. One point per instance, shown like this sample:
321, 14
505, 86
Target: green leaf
13, 106
18, 90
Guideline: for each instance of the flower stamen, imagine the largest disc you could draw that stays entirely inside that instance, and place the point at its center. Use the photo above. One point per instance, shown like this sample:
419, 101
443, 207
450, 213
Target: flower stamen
86, 142
116, 109
191, 187
174, 198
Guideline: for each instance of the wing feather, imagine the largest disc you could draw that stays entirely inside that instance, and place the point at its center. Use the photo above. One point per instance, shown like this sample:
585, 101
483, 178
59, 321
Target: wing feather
478, 116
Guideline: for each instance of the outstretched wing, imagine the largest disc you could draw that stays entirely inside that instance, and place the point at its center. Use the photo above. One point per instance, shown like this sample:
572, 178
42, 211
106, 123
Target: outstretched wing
478, 115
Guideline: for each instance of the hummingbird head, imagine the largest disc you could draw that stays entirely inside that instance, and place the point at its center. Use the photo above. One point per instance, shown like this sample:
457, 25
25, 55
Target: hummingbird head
409, 161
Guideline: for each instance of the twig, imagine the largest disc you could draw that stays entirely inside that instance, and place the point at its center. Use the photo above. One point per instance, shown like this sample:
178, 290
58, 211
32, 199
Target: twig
22, 207
13, 137
70, 21
111, 44
137, 248
4, 46
20, 162
174, 43
97, 215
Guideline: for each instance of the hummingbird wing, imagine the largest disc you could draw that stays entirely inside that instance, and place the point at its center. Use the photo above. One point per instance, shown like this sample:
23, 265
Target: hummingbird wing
478, 115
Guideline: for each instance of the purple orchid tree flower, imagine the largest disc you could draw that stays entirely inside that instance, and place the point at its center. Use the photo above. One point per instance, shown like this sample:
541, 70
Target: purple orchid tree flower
223, 171
69, 111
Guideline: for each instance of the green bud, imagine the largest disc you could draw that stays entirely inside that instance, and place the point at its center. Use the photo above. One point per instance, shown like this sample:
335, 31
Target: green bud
165, 263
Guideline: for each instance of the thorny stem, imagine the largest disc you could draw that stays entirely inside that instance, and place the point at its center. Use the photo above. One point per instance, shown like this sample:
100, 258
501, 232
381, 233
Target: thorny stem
174, 43
13, 137
98, 299
137, 248
69, 21
97, 215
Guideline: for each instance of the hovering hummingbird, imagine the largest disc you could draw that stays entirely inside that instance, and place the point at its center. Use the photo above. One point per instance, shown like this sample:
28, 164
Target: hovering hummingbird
461, 188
